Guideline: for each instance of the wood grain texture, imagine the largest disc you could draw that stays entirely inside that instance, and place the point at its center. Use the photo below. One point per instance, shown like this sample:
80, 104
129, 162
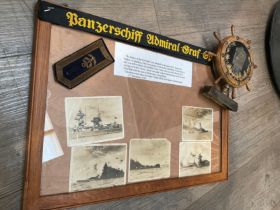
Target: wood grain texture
14, 82
16, 27
35, 132
277, 206
254, 129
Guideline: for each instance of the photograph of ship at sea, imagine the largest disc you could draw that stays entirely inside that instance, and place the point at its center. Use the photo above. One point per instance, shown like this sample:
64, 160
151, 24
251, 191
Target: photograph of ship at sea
93, 119
197, 124
194, 158
149, 159
97, 166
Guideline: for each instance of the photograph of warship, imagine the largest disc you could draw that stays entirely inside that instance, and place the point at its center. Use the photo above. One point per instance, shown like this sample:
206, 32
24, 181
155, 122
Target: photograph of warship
149, 159
136, 165
194, 158
196, 128
97, 166
108, 172
199, 163
197, 124
93, 119
93, 127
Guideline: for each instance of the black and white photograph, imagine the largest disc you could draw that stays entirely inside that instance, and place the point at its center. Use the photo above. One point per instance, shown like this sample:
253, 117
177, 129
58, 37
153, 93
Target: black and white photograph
149, 159
93, 119
194, 158
97, 166
197, 124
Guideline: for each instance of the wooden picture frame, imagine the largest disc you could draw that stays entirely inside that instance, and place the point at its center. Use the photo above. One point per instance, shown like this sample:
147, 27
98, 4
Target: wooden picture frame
32, 198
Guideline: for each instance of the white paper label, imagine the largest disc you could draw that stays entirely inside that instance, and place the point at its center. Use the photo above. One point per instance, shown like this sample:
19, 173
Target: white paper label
51, 145
143, 64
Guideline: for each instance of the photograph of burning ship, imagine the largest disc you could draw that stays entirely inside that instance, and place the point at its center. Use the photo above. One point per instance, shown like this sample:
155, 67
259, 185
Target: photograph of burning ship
93, 119
97, 166
197, 124
149, 159
195, 158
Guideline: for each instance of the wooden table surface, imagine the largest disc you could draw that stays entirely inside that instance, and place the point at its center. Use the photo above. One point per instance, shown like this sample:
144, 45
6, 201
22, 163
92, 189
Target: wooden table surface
254, 145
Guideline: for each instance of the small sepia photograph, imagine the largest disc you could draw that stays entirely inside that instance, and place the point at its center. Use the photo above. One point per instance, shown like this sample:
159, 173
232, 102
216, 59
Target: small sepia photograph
194, 158
197, 124
149, 159
97, 166
91, 120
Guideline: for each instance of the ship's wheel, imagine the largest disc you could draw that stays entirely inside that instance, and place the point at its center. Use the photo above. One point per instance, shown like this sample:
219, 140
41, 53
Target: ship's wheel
232, 63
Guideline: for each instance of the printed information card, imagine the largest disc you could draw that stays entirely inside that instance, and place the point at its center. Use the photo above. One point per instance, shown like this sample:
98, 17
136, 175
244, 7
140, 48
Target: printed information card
143, 64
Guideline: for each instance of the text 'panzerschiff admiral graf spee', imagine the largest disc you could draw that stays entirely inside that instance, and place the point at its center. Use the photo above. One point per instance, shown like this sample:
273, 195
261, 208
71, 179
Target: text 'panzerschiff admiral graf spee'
89, 23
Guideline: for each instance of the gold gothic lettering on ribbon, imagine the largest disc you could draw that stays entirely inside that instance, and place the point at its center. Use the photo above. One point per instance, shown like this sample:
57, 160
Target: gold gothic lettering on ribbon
134, 35
98, 27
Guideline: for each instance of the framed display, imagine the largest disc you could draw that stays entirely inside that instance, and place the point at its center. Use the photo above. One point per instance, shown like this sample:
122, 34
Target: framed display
113, 115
